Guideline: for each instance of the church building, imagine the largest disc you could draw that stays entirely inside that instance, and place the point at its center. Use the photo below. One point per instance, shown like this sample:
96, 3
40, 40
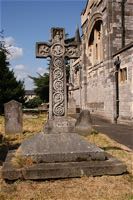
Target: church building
102, 79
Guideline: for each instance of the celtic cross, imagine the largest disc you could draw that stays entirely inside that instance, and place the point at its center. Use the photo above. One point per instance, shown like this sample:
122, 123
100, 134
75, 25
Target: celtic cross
58, 50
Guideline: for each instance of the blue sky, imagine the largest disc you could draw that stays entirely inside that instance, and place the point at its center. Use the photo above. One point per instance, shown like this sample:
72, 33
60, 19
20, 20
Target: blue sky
27, 22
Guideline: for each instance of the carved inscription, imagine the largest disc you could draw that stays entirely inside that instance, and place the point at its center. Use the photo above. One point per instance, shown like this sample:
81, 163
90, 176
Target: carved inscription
62, 124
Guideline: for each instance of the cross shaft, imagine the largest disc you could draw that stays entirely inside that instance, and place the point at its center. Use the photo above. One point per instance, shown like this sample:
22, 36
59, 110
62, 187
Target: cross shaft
58, 51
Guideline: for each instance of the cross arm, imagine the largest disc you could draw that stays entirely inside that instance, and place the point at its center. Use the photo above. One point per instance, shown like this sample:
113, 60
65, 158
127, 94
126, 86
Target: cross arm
42, 50
72, 50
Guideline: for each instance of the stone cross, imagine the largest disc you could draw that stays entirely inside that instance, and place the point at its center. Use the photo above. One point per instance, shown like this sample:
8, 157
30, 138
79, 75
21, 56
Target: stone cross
58, 50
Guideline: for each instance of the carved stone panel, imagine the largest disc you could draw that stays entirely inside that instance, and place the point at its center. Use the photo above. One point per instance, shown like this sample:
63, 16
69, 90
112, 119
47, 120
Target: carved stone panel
42, 50
58, 34
58, 87
57, 50
72, 52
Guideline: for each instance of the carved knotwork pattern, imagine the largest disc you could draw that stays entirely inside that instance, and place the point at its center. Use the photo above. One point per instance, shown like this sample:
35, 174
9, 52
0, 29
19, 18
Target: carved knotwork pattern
58, 35
57, 50
58, 87
58, 62
72, 51
58, 74
43, 50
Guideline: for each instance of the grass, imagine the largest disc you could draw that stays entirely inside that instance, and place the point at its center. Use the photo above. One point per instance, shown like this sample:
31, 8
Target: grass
85, 188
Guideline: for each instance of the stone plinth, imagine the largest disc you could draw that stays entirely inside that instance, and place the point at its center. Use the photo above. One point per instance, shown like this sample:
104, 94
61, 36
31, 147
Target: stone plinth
59, 148
60, 125
60, 156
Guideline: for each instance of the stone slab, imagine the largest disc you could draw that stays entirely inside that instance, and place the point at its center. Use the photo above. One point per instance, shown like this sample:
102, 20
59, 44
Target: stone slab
43, 171
62, 147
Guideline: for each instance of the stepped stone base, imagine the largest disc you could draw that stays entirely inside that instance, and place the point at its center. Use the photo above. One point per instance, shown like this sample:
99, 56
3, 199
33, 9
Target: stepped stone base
44, 171
60, 156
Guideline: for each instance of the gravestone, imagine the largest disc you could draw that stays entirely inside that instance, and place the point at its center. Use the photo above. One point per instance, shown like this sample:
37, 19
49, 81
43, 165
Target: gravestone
71, 106
13, 117
83, 125
62, 153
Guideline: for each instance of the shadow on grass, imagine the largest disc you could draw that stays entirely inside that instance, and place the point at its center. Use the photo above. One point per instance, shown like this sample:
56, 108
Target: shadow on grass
5, 146
111, 148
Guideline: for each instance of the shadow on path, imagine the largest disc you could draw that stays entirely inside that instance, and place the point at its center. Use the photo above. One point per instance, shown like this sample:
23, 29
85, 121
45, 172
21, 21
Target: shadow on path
121, 133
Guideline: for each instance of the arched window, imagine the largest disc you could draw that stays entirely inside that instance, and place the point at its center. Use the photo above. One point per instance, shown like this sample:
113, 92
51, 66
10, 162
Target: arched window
96, 44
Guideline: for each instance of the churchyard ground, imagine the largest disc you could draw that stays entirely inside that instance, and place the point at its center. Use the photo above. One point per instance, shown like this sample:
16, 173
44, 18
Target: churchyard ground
85, 188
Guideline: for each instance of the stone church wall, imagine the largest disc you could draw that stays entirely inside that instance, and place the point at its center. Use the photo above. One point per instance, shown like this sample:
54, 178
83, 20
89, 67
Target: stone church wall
100, 91
105, 32
98, 83
126, 84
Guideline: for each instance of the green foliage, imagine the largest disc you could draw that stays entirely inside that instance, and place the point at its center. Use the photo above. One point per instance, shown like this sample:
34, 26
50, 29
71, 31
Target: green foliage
42, 86
10, 88
33, 103
131, 197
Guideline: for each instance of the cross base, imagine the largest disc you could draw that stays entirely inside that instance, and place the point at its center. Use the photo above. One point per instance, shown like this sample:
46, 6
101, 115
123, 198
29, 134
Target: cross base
60, 156
60, 125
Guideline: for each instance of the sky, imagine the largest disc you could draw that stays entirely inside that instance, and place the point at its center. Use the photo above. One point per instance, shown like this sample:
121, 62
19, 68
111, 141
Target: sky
29, 21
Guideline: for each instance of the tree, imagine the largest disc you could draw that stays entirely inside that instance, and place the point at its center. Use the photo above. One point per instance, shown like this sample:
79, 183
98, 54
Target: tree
42, 86
33, 103
10, 88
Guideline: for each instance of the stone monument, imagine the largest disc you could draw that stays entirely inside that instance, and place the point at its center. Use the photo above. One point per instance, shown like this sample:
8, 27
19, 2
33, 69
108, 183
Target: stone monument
58, 51
13, 117
62, 153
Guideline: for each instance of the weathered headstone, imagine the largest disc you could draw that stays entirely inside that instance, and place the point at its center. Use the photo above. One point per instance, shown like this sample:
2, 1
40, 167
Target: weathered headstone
83, 124
13, 117
72, 106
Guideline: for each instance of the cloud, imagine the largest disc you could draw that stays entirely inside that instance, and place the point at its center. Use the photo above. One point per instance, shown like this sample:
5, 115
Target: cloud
29, 84
22, 73
14, 51
42, 70
9, 40
19, 67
